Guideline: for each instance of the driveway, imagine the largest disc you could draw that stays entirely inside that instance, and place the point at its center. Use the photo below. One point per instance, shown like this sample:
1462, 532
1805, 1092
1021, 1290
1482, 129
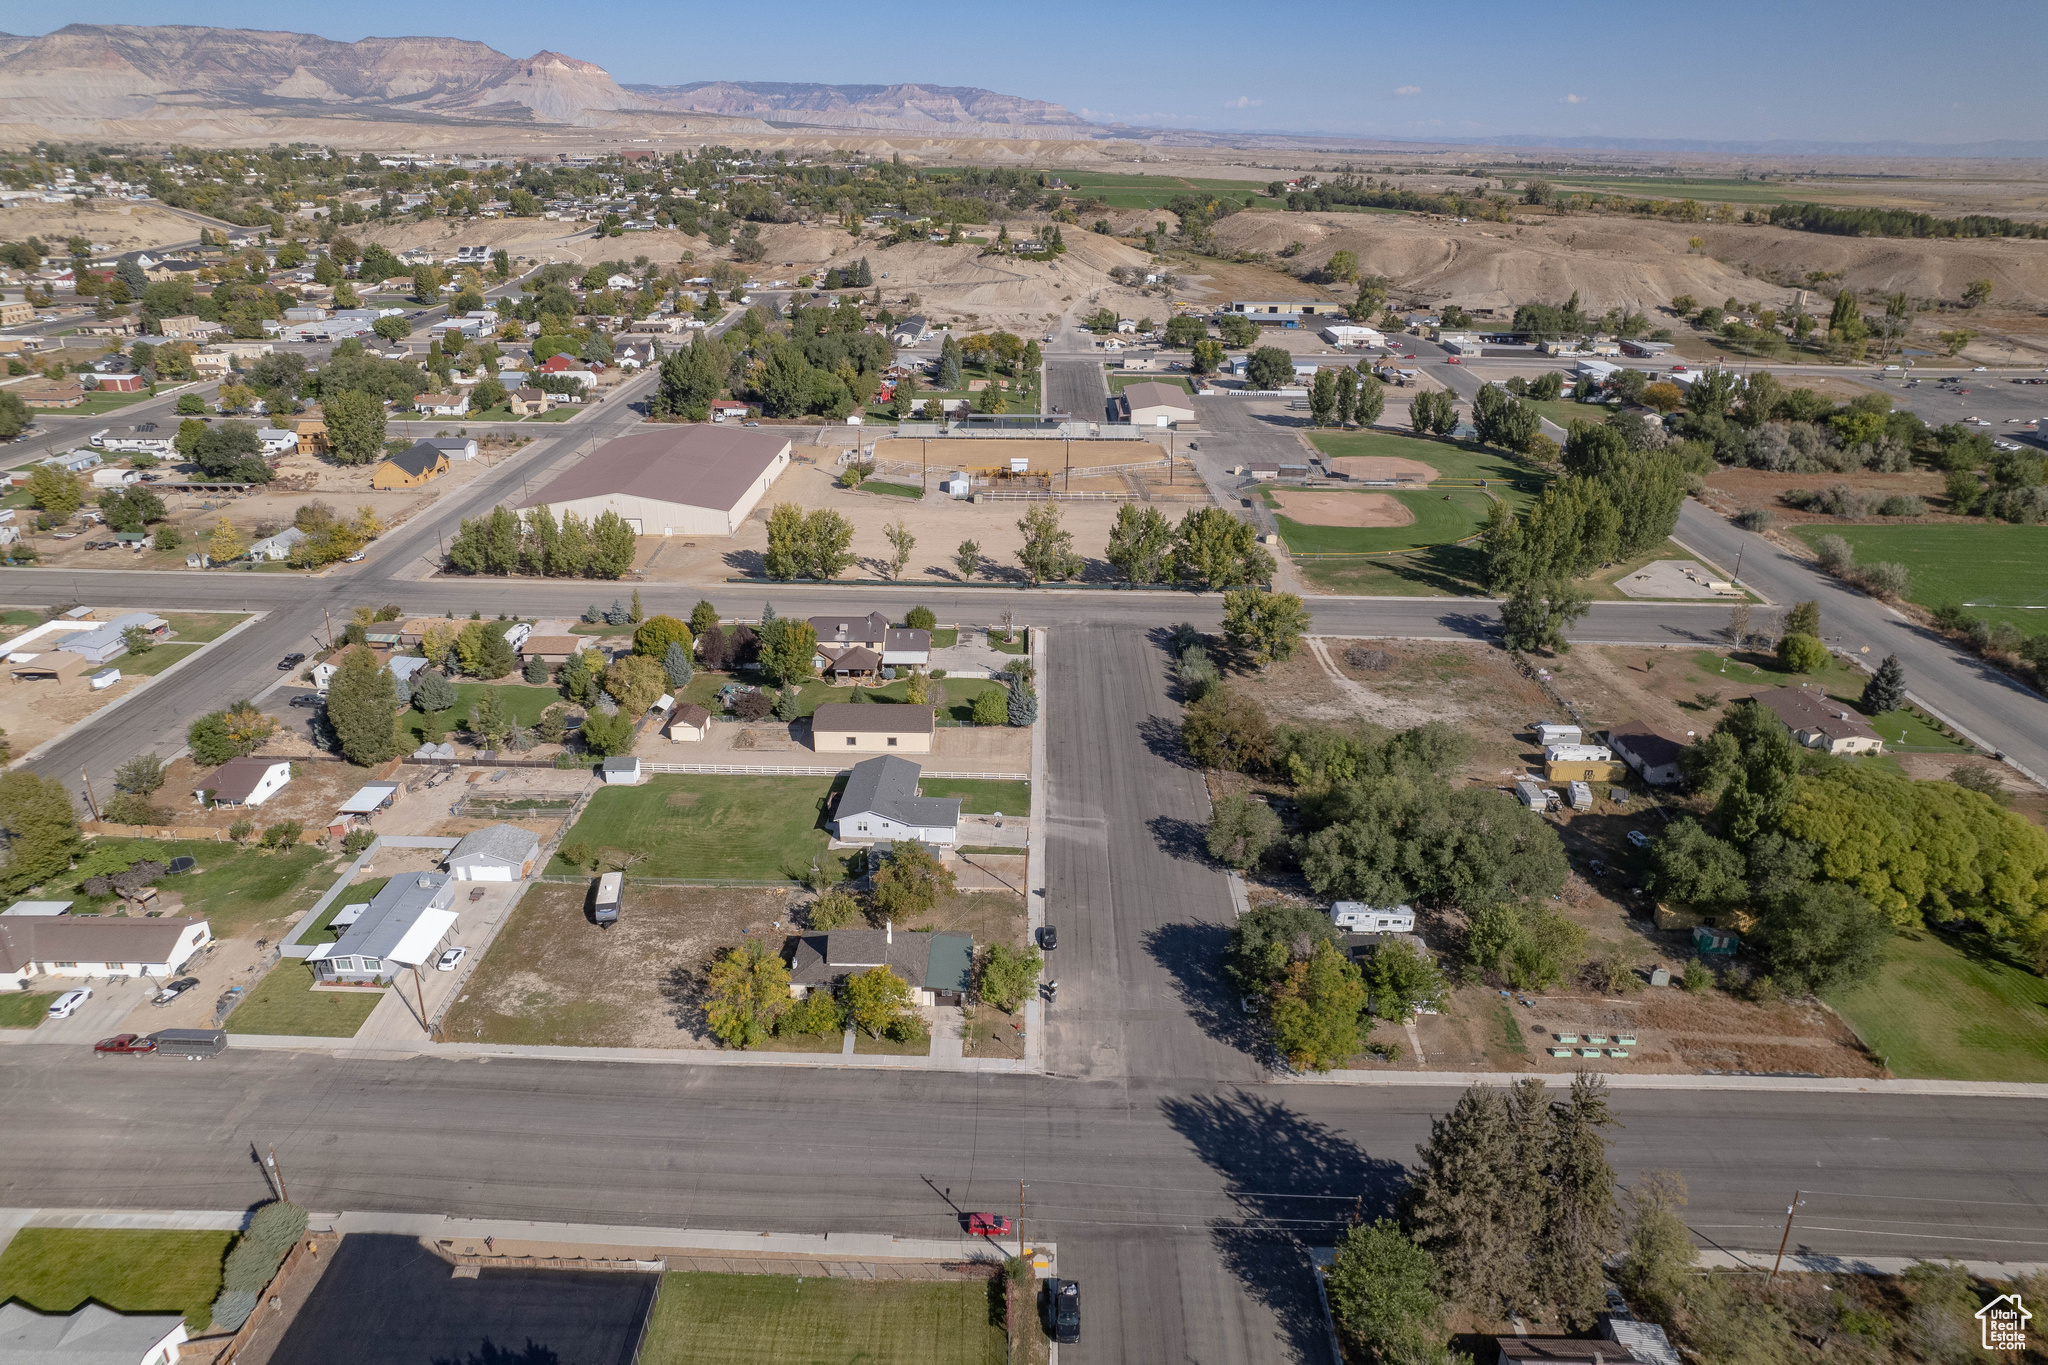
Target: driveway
98, 1018
397, 1016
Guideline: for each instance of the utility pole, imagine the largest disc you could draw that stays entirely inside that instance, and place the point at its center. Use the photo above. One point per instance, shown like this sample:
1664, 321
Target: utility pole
1020, 1220
1798, 1198
90, 804
277, 1176
1737, 577
330, 626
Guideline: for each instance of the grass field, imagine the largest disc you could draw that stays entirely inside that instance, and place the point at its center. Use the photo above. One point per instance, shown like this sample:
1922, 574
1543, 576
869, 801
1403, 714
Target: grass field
1903, 731
159, 658
1450, 459
1999, 572
1949, 1007
1564, 411
891, 490
981, 798
1157, 191
1120, 381
744, 828
284, 1002
784, 1320
55, 1270
25, 1009
96, 403
1702, 190
525, 703
197, 627
1439, 571
1440, 518
236, 888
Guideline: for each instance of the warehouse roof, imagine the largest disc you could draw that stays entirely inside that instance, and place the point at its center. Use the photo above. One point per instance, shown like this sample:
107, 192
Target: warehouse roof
696, 466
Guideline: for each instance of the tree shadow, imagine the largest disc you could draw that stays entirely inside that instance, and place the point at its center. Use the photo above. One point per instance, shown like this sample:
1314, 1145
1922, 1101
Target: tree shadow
490, 1353
1178, 838
686, 990
1162, 737
749, 562
1295, 1184
1193, 953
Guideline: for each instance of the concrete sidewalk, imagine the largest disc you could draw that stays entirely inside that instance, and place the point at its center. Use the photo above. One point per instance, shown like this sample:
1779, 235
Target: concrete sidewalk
1836, 1085
397, 1049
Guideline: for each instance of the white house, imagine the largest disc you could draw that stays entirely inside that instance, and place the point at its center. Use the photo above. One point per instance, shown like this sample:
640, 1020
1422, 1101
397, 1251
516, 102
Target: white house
881, 805
495, 853
115, 478
454, 447
91, 1334
277, 441
247, 781
109, 639
404, 925
277, 546
1651, 752
95, 945
1358, 917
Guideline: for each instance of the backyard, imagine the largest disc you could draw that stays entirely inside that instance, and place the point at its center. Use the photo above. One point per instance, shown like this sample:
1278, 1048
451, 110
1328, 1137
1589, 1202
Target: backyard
705, 1319
55, 1270
524, 704
703, 689
232, 888
1999, 572
285, 1003
1952, 1006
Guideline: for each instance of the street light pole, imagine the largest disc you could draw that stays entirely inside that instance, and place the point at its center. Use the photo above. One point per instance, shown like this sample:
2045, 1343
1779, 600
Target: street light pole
1020, 1219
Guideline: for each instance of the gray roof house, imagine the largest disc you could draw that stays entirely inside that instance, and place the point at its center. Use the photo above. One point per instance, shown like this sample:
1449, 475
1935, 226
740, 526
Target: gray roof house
881, 804
107, 640
91, 1334
938, 967
495, 853
277, 546
405, 924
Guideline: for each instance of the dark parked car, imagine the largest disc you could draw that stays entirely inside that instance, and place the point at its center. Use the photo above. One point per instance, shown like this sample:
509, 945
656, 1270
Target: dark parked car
1048, 937
290, 661
1063, 1309
175, 989
305, 699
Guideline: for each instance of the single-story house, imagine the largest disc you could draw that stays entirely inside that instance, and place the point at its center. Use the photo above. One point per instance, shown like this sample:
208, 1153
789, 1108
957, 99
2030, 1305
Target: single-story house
423, 463
108, 640
95, 945
689, 723
72, 461
1153, 404
881, 804
404, 925
911, 330
552, 649
1815, 719
1650, 751
58, 665
937, 967
277, 440
903, 647
48, 395
527, 401
90, 1334
454, 447
247, 781
686, 480
1561, 1351
868, 631
106, 477
442, 404
722, 408
404, 666
278, 546
837, 726
495, 853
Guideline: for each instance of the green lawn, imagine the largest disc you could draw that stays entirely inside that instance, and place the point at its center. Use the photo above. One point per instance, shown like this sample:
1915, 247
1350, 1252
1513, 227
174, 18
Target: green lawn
1440, 518
1746, 672
24, 1009
787, 1320
97, 403
155, 661
981, 798
524, 702
284, 1002
191, 627
130, 1270
1564, 411
945, 637
236, 888
21, 618
1702, 190
1948, 1006
892, 490
1439, 571
1998, 571
1121, 380
742, 828
359, 893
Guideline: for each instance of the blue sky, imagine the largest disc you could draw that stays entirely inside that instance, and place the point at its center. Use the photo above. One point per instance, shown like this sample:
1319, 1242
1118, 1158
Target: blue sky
1850, 70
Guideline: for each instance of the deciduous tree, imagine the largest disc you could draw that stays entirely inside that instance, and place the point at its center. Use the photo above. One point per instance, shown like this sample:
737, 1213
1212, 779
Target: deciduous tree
1267, 625
1241, 831
1140, 544
1315, 1010
747, 991
1048, 550
1382, 1291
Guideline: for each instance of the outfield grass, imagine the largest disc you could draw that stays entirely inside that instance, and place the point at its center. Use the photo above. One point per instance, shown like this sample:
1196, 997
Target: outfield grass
1119, 381
285, 1002
1999, 572
523, 702
1948, 1006
130, 1270
742, 828
237, 888
25, 1009
981, 798
1450, 459
1440, 518
786, 1320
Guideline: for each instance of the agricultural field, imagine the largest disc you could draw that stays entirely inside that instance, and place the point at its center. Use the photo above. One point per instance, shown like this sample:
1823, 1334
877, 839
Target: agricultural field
1999, 572
1157, 191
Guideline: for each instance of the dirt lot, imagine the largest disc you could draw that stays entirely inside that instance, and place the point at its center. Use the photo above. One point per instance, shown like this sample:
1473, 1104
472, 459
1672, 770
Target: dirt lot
1343, 509
32, 712
1733, 490
1047, 457
938, 523
1382, 467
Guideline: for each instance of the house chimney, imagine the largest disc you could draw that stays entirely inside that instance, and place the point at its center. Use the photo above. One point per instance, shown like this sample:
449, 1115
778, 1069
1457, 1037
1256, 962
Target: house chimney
889, 929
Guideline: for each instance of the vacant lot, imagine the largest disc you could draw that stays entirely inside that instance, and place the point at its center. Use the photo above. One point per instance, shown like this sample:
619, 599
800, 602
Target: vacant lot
1951, 1006
284, 1002
55, 1270
765, 1319
552, 977
1999, 572
1434, 518
738, 828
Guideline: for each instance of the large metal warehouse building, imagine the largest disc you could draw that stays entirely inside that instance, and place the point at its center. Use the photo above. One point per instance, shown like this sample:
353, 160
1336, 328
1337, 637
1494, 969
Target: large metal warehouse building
673, 481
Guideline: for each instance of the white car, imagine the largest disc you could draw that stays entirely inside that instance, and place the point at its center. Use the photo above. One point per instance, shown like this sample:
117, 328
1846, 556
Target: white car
66, 1005
1638, 838
1981, 369
449, 959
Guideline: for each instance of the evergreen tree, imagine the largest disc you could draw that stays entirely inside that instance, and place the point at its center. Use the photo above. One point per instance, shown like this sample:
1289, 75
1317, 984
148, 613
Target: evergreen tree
703, 617
432, 692
1457, 1205
361, 703
1526, 1192
1347, 395
676, 664
949, 374
1887, 690
1023, 704
1583, 1225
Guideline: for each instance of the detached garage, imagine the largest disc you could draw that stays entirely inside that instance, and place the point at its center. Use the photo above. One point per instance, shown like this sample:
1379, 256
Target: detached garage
674, 481
495, 853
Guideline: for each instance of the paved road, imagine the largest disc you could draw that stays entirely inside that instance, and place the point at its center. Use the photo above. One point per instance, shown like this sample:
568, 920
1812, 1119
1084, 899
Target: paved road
1181, 1204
